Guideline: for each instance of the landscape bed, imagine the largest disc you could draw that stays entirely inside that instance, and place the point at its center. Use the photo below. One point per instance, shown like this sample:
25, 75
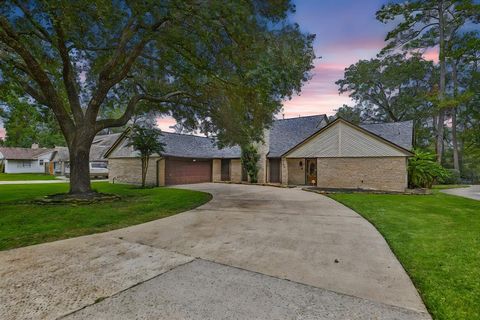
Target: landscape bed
437, 239
22, 222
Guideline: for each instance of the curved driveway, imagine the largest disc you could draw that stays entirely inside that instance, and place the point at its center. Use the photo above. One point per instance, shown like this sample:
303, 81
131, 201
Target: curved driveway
471, 192
231, 256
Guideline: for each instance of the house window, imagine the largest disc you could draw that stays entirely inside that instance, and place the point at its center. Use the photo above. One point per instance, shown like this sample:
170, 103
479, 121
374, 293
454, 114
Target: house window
24, 164
40, 162
99, 165
312, 169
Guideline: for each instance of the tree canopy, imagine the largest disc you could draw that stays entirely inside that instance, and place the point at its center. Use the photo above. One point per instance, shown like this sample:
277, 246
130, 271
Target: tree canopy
221, 67
441, 97
391, 88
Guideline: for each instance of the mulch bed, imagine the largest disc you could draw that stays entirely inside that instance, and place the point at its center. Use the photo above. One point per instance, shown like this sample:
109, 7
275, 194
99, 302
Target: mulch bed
89, 198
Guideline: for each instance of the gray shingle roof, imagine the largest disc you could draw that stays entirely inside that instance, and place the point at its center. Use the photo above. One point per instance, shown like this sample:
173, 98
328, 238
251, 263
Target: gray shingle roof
183, 145
100, 146
105, 140
61, 154
23, 153
400, 133
286, 134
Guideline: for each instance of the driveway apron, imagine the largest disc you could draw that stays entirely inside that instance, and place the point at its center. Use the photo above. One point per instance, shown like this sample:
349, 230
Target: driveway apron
264, 240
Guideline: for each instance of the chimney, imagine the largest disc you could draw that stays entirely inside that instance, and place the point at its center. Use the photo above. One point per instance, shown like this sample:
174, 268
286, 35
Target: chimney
34, 145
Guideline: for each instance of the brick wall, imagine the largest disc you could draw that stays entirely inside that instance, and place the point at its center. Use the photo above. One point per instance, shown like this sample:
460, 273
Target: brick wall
284, 171
236, 170
216, 170
129, 170
161, 172
382, 173
296, 173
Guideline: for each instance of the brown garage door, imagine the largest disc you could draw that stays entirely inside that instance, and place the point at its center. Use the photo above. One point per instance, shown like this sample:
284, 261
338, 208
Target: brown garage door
185, 171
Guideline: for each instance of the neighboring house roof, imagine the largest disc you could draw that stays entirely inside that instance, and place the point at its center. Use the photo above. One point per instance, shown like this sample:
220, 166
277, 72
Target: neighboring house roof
61, 154
100, 146
181, 145
400, 133
106, 140
23, 153
287, 133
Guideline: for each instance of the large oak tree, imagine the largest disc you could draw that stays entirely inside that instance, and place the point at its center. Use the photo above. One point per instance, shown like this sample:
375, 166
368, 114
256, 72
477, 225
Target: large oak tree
222, 67
391, 88
425, 24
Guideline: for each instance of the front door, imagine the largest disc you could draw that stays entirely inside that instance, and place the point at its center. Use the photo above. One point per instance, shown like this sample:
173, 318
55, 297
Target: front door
274, 165
311, 171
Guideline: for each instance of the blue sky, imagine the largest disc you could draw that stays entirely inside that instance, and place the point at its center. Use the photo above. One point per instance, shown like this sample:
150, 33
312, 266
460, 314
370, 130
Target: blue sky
347, 31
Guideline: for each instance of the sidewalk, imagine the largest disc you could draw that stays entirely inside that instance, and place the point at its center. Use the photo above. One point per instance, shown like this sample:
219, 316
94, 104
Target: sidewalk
43, 181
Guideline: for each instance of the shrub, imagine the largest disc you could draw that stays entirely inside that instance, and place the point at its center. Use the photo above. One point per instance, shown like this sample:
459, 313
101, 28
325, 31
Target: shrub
146, 140
453, 177
423, 170
250, 158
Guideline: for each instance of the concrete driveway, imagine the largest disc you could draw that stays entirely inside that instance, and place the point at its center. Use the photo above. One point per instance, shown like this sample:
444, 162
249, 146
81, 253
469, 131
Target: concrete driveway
251, 253
471, 192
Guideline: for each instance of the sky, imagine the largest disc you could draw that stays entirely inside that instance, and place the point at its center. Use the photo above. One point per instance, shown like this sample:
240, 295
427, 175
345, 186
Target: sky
346, 31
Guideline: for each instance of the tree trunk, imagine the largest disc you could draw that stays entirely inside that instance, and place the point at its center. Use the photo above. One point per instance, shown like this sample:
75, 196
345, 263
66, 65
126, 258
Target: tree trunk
441, 93
144, 170
80, 166
456, 162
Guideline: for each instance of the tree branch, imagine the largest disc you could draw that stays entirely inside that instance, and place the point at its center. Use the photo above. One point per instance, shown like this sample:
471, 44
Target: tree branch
68, 74
10, 39
34, 23
34, 94
106, 81
130, 110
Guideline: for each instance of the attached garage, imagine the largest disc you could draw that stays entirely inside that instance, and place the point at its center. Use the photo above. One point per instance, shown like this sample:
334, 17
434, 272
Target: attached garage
187, 170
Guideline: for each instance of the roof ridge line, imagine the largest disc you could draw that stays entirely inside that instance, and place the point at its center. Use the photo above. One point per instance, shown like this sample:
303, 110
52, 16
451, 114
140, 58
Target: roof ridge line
315, 115
187, 135
367, 123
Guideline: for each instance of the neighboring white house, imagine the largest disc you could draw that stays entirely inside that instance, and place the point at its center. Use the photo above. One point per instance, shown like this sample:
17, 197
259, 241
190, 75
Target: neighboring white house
25, 160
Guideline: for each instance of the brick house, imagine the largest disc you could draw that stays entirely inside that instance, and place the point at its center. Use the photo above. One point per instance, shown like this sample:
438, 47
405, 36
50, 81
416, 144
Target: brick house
297, 151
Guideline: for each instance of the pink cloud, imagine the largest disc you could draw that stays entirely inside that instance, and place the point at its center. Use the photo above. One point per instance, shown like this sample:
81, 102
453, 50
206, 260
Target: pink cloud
320, 95
363, 43
165, 123
431, 54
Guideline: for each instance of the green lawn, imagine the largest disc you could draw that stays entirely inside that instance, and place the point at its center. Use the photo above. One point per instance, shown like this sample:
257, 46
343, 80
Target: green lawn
437, 239
25, 176
23, 223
